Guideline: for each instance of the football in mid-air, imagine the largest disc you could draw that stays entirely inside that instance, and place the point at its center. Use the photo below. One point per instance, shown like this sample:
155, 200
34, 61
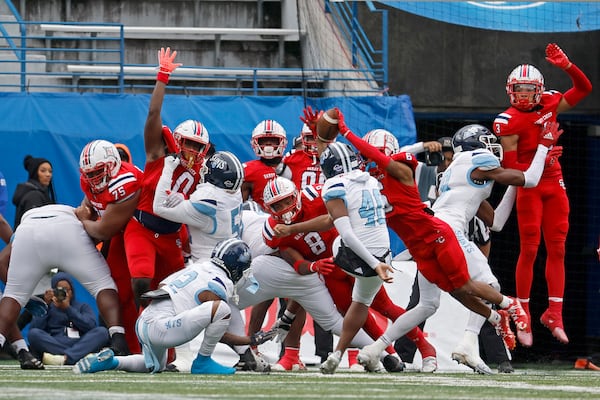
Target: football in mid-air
327, 127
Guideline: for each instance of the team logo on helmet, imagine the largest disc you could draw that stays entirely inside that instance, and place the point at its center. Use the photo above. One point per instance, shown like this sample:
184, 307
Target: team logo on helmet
269, 139
99, 161
232, 256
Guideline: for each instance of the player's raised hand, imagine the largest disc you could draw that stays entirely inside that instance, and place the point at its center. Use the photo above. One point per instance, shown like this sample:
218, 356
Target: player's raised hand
550, 133
166, 64
310, 118
556, 56
553, 155
342, 127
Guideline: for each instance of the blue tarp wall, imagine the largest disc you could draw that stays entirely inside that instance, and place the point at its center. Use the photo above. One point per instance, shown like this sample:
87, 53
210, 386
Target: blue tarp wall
57, 126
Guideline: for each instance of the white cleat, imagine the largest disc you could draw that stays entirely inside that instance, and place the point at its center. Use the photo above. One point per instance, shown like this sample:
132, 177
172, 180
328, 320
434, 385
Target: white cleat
463, 356
429, 365
368, 357
330, 365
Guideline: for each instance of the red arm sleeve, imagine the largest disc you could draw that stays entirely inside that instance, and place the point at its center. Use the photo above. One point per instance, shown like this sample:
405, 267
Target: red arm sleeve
581, 85
510, 161
369, 151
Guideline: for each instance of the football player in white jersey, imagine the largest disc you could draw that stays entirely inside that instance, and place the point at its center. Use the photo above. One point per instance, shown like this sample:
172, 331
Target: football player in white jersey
464, 186
190, 301
35, 251
356, 207
213, 211
270, 277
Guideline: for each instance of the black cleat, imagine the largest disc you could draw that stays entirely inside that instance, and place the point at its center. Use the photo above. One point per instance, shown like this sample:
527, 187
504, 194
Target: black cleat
118, 344
393, 364
28, 361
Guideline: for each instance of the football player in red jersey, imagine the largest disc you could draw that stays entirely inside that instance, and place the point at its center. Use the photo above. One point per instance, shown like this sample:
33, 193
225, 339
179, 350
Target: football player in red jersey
544, 208
112, 191
302, 166
433, 245
284, 229
153, 244
268, 141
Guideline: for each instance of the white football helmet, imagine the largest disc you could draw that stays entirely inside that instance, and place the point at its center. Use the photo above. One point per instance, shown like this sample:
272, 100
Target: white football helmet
279, 189
269, 128
98, 163
309, 142
384, 140
193, 141
525, 78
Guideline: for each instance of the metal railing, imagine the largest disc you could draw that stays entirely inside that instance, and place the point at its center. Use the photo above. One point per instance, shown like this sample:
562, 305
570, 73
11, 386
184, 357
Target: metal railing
365, 57
34, 57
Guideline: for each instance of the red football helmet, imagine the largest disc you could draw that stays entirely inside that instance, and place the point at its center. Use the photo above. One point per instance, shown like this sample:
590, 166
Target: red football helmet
309, 142
193, 141
282, 199
269, 139
525, 86
98, 163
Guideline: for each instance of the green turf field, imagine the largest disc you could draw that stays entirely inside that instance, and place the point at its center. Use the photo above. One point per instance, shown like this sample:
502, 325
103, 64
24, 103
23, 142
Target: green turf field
59, 383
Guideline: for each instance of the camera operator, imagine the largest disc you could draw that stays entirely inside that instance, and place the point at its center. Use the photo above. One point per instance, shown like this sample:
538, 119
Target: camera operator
69, 331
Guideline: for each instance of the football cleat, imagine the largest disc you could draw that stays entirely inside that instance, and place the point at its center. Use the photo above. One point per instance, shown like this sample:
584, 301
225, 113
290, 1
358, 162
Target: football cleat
368, 357
553, 321
429, 364
503, 330
287, 363
252, 360
464, 355
103, 361
518, 315
205, 365
505, 367
393, 363
28, 361
586, 363
331, 364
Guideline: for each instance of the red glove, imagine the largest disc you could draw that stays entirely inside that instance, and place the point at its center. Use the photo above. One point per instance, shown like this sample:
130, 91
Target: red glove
342, 127
550, 133
166, 64
310, 118
557, 57
553, 156
323, 266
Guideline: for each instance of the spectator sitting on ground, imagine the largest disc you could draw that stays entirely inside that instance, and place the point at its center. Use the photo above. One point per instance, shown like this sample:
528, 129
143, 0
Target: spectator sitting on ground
69, 331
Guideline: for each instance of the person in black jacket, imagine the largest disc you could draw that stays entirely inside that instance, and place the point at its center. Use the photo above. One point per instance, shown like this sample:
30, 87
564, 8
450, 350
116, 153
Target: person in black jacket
37, 191
69, 331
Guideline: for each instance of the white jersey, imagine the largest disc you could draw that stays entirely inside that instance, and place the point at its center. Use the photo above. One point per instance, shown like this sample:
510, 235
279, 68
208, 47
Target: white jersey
361, 193
212, 214
185, 285
254, 222
461, 196
48, 237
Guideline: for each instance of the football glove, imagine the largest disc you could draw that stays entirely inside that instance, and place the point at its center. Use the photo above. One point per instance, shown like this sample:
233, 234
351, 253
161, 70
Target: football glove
166, 65
310, 118
557, 57
550, 133
261, 336
323, 266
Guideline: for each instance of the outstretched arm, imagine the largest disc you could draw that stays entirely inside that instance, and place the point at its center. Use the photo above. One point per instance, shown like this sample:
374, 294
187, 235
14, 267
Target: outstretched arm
581, 84
153, 141
397, 170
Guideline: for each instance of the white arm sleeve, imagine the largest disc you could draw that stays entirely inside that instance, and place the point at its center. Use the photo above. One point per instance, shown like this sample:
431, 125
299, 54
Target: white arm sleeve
502, 211
343, 226
413, 148
535, 170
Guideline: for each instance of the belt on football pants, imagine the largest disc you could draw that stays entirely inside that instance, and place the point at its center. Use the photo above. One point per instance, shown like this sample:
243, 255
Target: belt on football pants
156, 223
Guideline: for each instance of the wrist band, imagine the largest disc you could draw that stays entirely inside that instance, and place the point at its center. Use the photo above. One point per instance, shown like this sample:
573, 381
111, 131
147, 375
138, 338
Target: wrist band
162, 77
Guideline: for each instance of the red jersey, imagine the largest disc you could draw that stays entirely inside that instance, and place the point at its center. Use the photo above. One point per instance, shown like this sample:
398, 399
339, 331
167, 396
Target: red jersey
120, 188
312, 245
258, 174
415, 226
184, 181
303, 169
527, 125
